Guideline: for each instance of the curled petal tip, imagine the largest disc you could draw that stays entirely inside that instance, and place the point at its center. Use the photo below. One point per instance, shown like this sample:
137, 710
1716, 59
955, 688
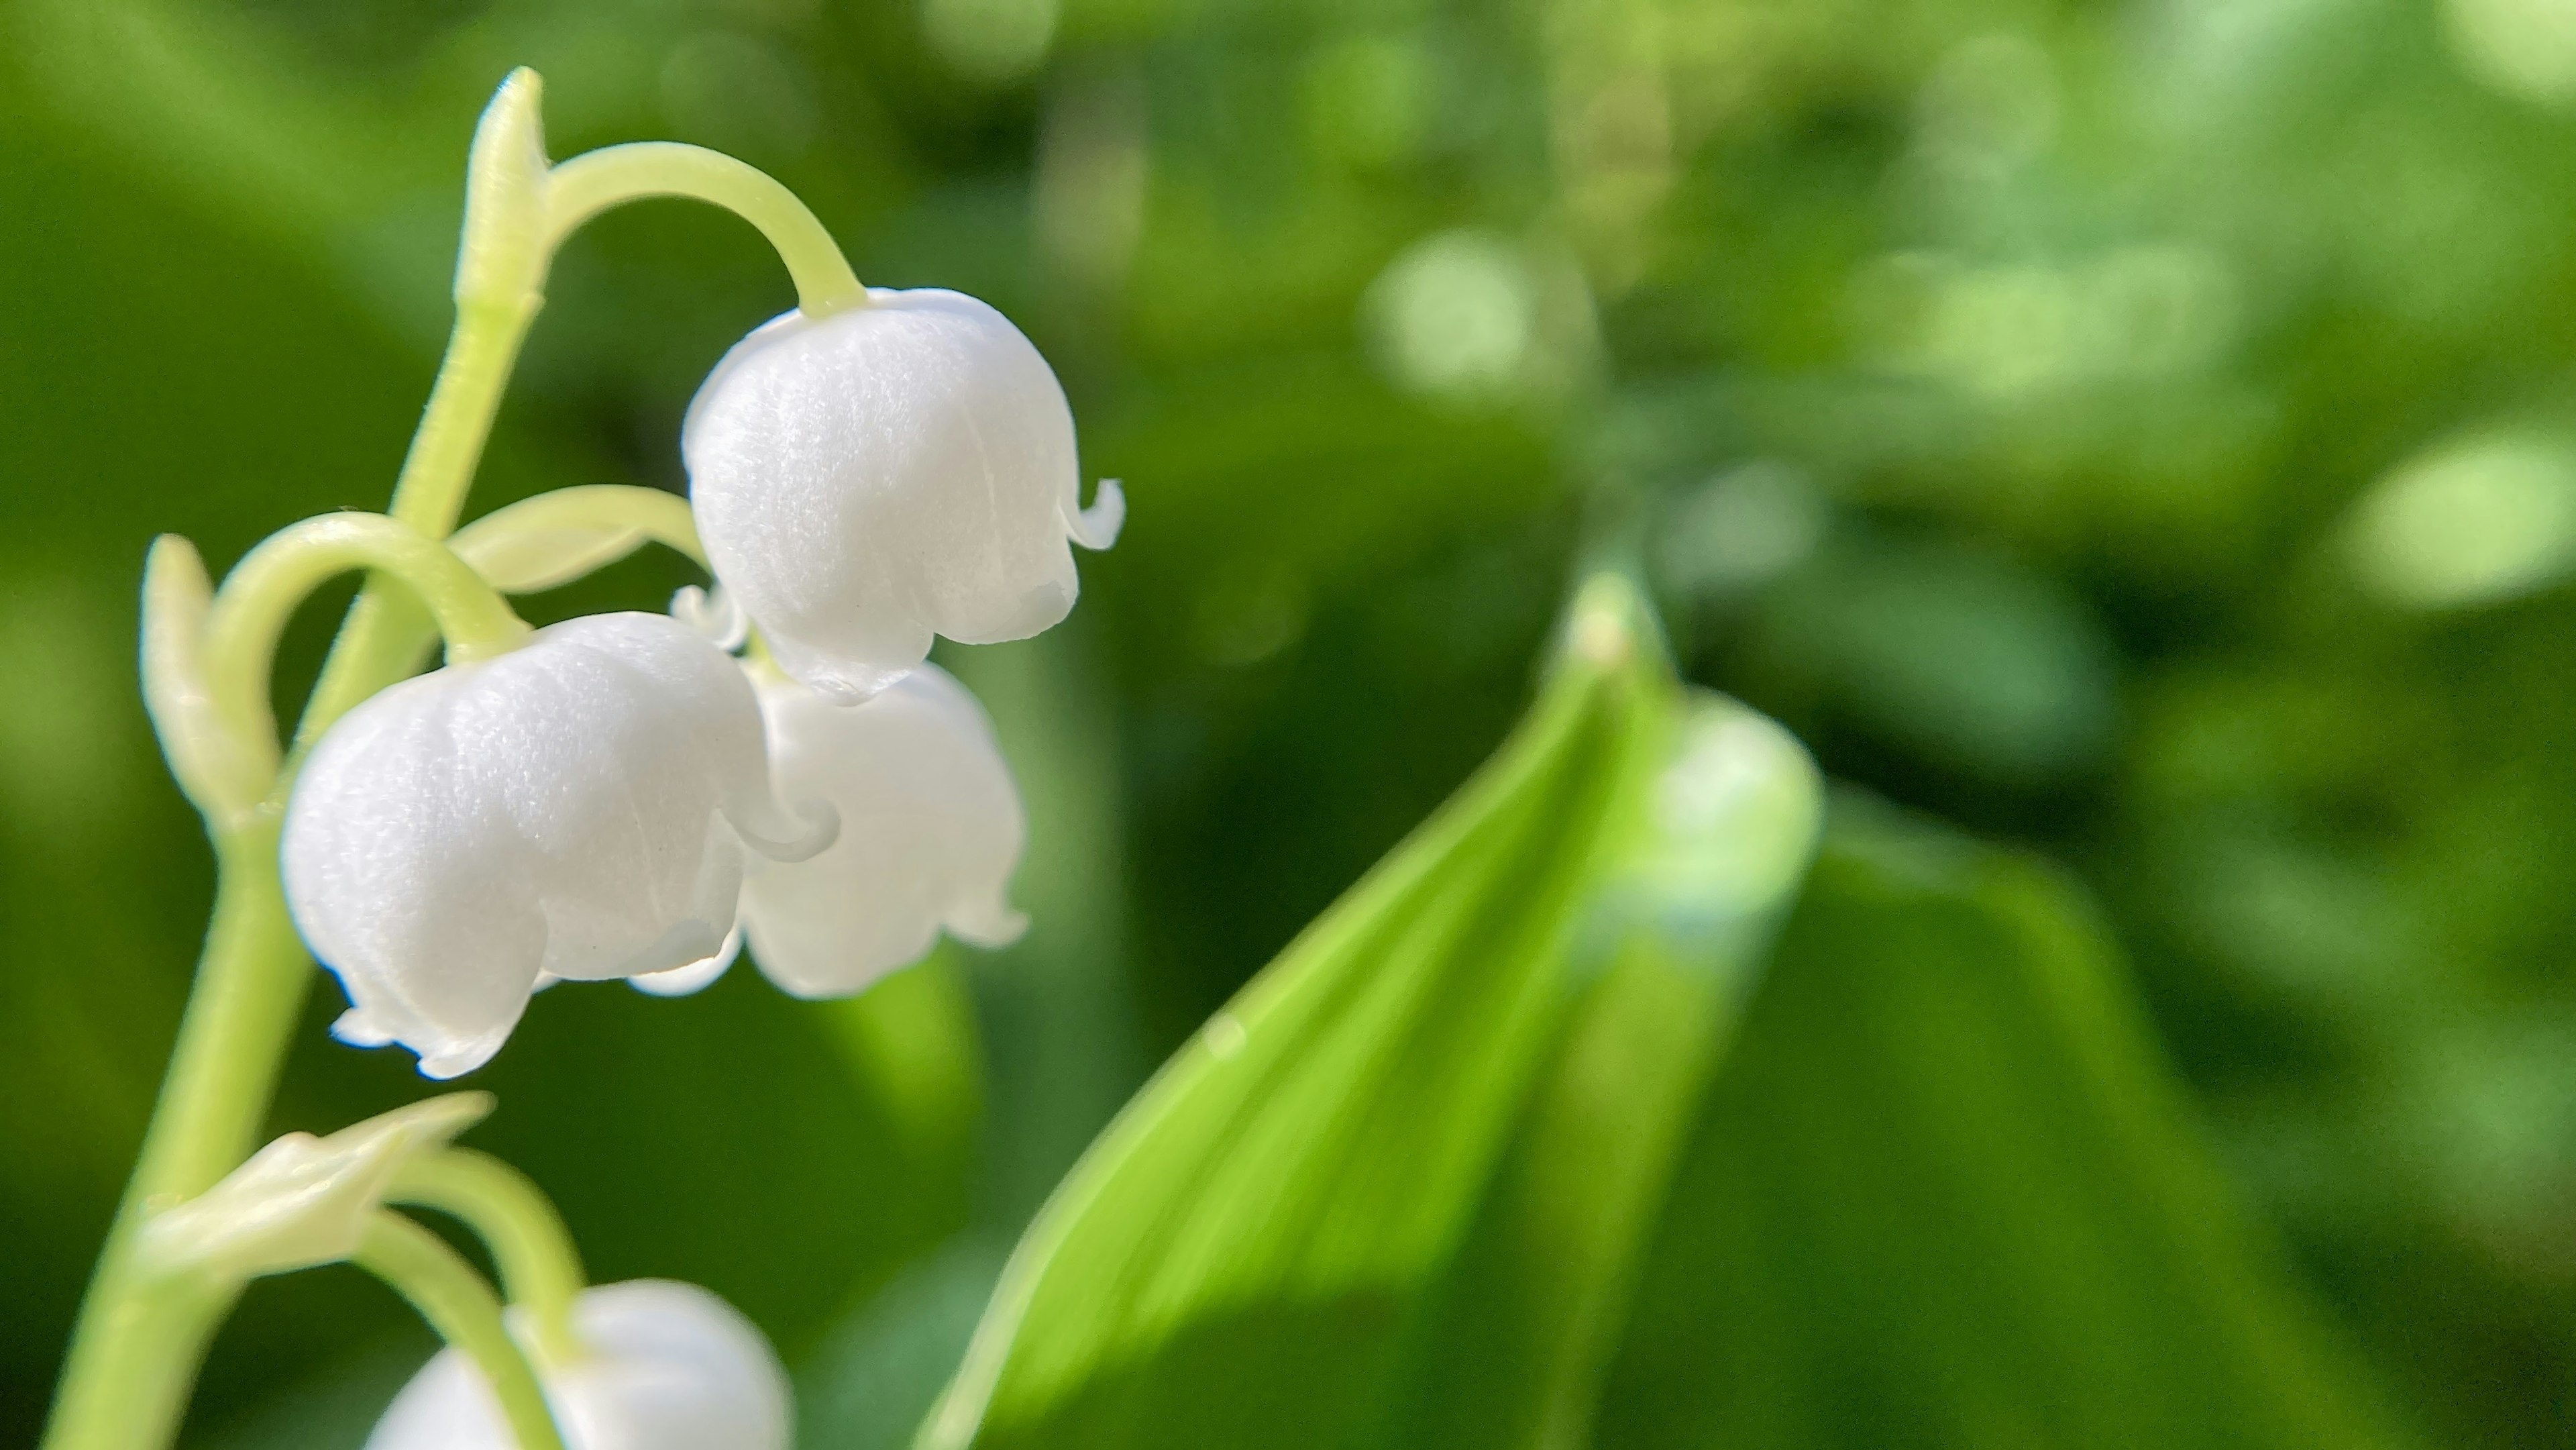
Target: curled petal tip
712, 614
696, 976
992, 928
357, 1029
1097, 527
440, 1066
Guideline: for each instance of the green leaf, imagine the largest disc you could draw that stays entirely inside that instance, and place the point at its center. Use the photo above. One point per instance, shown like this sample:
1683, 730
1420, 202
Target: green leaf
1534, 1305
1944, 1193
1236, 1259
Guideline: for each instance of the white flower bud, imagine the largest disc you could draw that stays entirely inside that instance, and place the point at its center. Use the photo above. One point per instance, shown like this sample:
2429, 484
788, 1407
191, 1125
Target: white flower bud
870, 478
669, 1367
575, 808
931, 829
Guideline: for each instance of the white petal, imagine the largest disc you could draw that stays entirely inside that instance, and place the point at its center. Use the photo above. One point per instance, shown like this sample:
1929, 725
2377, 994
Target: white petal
885, 473
560, 810
671, 1367
931, 830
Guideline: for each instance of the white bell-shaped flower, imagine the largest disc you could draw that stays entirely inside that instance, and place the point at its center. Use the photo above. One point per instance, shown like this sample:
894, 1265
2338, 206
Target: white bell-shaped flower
668, 1366
576, 808
931, 829
872, 477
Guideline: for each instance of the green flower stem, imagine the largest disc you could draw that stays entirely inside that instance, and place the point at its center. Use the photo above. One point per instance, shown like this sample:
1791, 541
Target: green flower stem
126, 1380
594, 181
137, 1345
540, 1267
128, 1384
376, 645
459, 1305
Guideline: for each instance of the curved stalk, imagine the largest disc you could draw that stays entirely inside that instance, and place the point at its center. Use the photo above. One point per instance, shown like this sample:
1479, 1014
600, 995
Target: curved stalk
459, 1305
556, 537
594, 181
252, 608
540, 1267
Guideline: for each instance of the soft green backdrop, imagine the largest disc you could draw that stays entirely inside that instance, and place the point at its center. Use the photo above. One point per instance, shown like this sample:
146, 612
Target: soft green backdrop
2140, 432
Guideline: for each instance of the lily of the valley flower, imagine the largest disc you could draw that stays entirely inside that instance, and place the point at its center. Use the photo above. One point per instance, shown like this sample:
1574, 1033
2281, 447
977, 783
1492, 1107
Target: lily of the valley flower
869, 478
931, 829
576, 808
667, 1366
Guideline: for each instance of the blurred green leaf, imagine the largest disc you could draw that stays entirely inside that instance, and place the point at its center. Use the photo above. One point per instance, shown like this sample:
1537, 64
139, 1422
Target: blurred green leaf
1945, 1194
874, 1379
1236, 1260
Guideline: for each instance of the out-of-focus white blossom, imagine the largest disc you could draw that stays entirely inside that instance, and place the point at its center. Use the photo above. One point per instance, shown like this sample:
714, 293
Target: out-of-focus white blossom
931, 829
870, 478
576, 808
667, 1366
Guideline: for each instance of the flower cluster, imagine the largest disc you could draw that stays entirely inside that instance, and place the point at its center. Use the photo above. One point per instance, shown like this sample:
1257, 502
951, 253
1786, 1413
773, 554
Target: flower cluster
621, 795
618, 796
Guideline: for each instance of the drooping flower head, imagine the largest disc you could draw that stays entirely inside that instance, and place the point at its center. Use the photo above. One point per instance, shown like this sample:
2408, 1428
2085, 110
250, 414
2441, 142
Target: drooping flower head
869, 478
576, 808
668, 1366
931, 829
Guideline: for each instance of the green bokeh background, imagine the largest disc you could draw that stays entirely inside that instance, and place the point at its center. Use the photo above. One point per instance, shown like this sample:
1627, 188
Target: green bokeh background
2142, 432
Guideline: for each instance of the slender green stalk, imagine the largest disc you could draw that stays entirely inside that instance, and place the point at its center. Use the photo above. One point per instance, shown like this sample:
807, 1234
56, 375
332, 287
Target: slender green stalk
459, 1305
251, 610
378, 642
135, 1355
540, 1267
594, 181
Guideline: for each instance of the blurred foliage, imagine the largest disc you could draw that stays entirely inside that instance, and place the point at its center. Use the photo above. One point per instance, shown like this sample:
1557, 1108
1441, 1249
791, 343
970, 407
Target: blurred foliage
1939, 1196
2142, 432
